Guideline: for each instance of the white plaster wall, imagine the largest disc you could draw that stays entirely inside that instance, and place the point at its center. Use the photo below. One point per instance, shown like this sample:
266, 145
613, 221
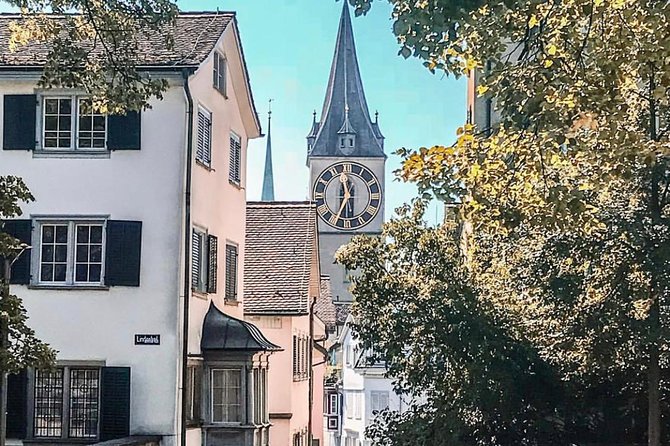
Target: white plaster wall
141, 185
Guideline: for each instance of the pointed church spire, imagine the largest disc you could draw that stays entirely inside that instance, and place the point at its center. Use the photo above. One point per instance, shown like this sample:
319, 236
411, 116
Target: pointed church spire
345, 106
268, 193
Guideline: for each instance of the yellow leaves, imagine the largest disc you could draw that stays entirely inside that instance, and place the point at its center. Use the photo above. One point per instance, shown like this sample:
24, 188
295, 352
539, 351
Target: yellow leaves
548, 63
551, 49
482, 89
533, 21
641, 307
470, 64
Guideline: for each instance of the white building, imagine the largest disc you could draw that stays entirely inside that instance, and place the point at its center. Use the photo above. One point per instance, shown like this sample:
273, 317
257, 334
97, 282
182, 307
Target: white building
121, 252
364, 390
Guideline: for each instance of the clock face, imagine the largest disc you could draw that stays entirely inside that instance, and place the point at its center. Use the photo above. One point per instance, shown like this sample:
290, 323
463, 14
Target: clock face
347, 195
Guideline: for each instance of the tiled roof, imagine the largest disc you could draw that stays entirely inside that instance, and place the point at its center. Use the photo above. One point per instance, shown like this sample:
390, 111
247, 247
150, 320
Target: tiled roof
324, 307
342, 311
195, 35
280, 244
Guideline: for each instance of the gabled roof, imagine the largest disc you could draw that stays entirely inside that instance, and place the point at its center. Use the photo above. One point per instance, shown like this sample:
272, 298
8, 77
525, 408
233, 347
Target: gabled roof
324, 307
281, 245
195, 34
345, 92
226, 333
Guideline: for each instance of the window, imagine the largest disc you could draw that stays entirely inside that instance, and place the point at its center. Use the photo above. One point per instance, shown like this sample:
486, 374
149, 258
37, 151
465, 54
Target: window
260, 396
231, 272
378, 401
332, 403
333, 423
203, 152
226, 395
193, 394
204, 262
71, 252
78, 390
348, 404
235, 159
347, 191
220, 67
300, 357
357, 405
71, 123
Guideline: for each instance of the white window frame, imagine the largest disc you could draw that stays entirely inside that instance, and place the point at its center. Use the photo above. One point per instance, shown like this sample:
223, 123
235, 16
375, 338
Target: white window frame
378, 394
333, 403
70, 274
74, 124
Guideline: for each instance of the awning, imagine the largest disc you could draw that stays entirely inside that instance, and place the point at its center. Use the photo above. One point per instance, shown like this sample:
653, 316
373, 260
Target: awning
223, 332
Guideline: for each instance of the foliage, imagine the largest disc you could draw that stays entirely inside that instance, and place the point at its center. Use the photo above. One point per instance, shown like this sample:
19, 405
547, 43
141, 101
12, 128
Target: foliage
23, 348
567, 188
94, 45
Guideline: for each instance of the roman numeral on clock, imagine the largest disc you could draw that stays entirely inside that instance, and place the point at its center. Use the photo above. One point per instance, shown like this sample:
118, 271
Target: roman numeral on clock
319, 195
347, 224
375, 196
370, 210
322, 209
333, 219
346, 167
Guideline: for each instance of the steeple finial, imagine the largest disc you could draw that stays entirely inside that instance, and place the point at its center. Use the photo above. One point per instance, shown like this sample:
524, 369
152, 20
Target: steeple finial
268, 193
376, 117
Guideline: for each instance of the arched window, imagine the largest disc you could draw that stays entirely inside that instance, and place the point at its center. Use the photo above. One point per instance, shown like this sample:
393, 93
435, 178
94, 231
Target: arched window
348, 210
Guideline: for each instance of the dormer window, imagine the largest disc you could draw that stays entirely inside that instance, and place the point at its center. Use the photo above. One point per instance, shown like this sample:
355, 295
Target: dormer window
219, 74
347, 142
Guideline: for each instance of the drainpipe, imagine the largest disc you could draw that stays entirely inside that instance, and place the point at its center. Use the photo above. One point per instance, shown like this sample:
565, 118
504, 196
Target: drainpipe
187, 252
311, 372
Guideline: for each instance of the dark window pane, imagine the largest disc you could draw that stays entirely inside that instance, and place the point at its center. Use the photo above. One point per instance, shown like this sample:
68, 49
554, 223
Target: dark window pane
51, 106
99, 123
94, 273
96, 253
65, 106
82, 253
81, 273
50, 123
59, 272
96, 234
99, 143
61, 234
47, 273
82, 234
48, 403
64, 123
61, 253
85, 143
47, 253
64, 142
47, 234
84, 123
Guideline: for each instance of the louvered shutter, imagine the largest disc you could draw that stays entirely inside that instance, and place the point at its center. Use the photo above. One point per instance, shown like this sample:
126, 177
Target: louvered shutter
204, 146
231, 272
295, 356
215, 80
196, 250
114, 403
21, 230
124, 132
19, 122
123, 253
235, 159
213, 251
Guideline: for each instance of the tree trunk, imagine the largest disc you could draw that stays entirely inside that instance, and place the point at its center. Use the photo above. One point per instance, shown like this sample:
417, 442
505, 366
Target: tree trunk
654, 380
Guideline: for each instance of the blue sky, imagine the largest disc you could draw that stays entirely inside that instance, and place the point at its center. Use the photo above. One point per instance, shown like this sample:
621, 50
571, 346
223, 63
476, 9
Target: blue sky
289, 47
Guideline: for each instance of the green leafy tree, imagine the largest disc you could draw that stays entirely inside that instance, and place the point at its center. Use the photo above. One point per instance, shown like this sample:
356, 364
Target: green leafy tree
94, 45
568, 194
20, 349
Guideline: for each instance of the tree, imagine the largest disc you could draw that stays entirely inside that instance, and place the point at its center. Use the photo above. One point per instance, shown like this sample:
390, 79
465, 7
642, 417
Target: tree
572, 183
478, 379
94, 45
22, 349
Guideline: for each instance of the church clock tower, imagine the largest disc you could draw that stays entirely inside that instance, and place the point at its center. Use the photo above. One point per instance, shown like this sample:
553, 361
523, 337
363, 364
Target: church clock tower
345, 156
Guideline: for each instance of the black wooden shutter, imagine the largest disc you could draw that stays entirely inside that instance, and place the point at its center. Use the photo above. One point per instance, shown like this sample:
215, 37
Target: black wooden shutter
22, 230
231, 272
19, 122
124, 132
115, 403
17, 405
197, 394
235, 159
123, 253
213, 252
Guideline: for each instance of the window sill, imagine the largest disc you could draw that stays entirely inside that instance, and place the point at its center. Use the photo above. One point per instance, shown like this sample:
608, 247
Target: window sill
221, 92
199, 294
236, 184
69, 287
92, 154
60, 441
204, 166
231, 302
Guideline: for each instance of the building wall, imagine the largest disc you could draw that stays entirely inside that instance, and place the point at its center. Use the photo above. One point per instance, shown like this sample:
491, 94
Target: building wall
99, 325
318, 371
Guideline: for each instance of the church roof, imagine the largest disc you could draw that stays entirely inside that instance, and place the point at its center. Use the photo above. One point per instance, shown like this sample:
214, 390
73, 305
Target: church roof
281, 245
223, 332
345, 92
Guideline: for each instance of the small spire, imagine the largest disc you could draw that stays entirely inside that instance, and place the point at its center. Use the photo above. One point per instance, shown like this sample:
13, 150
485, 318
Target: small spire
268, 193
376, 117
314, 117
